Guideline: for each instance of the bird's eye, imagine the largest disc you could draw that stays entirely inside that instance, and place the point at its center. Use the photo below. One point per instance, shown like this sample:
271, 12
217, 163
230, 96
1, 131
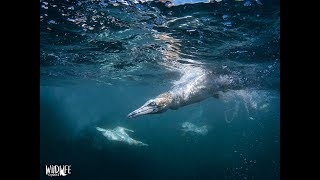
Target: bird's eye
153, 104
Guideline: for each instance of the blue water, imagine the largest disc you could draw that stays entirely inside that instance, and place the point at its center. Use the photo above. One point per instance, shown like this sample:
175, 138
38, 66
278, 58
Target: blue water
100, 61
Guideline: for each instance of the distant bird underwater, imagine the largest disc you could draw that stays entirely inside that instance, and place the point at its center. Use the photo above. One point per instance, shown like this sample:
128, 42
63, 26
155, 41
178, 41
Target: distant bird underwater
189, 127
119, 134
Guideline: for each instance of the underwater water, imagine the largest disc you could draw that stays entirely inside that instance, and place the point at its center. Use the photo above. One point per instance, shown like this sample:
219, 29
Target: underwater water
102, 59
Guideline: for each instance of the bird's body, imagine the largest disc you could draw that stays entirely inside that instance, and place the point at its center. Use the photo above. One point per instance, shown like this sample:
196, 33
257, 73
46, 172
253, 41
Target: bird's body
194, 86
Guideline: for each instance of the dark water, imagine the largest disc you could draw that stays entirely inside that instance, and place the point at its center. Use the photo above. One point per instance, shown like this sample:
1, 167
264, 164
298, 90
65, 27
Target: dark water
99, 62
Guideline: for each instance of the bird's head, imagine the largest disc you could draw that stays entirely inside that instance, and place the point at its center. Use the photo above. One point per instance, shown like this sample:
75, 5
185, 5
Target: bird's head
153, 106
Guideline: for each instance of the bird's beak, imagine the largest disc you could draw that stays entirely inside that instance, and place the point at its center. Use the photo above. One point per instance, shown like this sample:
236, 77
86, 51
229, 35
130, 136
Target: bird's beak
145, 109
